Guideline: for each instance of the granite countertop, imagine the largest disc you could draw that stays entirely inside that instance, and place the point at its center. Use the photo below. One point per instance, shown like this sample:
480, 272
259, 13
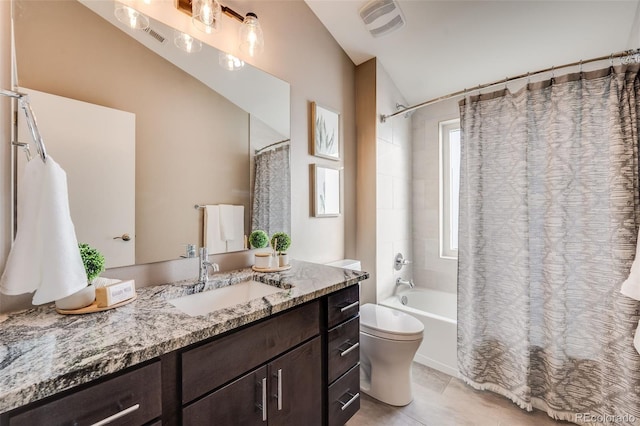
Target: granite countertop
43, 352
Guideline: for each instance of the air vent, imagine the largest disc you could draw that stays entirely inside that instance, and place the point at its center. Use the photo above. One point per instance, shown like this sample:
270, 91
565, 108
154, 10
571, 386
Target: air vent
382, 17
155, 34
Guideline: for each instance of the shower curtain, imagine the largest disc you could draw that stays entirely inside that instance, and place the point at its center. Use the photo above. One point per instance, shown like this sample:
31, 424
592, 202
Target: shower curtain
549, 216
272, 191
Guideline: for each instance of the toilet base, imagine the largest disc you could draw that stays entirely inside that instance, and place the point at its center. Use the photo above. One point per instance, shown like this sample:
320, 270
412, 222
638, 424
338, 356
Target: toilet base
385, 369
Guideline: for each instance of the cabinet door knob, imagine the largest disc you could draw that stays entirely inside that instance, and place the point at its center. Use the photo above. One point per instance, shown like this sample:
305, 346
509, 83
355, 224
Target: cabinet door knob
123, 237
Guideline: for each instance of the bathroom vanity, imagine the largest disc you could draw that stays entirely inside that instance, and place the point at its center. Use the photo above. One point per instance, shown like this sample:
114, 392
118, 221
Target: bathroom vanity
282, 359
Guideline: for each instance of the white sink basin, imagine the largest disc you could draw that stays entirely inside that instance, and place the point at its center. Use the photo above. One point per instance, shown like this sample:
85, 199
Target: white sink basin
211, 300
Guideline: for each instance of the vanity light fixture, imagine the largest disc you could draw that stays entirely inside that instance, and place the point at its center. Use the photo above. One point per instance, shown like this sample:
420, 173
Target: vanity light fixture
229, 62
205, 15
186, 42
131, 17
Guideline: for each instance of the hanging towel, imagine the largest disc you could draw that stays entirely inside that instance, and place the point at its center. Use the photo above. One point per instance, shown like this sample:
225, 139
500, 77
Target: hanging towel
45, 257
212, 239
631, 287
227, 222
236, 242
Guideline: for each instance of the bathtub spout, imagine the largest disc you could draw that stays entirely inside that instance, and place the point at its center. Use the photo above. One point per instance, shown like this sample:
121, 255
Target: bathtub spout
400, 282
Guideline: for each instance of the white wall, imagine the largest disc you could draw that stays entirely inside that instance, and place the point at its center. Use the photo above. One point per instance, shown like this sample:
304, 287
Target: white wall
429, 269
298, 49
393, 187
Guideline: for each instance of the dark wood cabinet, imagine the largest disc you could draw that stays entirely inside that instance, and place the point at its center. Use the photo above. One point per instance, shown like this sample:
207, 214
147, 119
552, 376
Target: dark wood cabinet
343, 355
131, 398
297, 367
286, 391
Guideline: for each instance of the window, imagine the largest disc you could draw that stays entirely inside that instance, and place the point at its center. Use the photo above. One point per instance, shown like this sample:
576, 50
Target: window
449, 187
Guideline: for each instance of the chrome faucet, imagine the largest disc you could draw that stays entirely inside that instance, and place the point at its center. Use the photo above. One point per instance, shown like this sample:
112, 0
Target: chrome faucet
203, 276
400, 282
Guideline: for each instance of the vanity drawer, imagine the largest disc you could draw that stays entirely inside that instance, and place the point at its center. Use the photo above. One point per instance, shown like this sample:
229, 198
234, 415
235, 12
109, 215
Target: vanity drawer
343, 348
133, 398
343, 305
344, 397
213, 364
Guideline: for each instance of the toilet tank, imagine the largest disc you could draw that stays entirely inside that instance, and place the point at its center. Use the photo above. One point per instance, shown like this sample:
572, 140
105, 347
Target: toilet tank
347, 264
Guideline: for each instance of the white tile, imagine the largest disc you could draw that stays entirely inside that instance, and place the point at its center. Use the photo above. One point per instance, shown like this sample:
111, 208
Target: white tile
385, 191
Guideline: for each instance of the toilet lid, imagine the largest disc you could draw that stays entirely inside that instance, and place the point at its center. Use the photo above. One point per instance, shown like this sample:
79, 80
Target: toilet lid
389, 323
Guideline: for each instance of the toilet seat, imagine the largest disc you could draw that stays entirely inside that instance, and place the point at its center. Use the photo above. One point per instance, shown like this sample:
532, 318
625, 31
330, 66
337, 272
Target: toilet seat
388, 323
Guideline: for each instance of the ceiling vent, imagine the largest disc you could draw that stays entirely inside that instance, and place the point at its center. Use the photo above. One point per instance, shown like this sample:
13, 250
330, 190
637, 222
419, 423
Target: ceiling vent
155, 34
382, 17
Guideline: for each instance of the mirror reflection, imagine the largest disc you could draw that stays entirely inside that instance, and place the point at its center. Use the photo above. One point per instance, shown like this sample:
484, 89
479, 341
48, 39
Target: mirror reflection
147, 131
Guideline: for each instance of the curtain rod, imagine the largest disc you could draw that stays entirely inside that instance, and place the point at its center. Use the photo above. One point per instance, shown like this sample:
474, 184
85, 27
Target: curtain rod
271, 145
636, 58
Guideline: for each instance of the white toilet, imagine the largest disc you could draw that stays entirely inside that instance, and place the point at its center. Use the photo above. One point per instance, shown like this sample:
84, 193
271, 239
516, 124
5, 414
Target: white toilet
389, 340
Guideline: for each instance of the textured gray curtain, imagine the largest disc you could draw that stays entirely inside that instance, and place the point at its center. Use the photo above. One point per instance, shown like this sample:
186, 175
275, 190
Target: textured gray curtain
549, 214
272, 192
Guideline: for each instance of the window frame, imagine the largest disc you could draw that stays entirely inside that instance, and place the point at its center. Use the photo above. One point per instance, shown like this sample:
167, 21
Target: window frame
444, 210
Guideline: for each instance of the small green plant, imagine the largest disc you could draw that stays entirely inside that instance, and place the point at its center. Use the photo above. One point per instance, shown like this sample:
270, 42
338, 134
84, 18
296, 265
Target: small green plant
93, 261
280, 242
258, 239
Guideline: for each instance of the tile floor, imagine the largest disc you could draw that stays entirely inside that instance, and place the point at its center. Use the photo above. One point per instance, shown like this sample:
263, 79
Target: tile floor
442, 400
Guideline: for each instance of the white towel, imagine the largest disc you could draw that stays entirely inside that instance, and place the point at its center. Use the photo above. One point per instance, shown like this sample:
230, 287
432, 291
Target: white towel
212, 239
236, 243
45, 257
227, 222
631, 287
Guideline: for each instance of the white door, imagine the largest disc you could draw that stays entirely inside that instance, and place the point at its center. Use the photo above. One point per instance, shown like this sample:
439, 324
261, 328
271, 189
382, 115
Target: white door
95, 145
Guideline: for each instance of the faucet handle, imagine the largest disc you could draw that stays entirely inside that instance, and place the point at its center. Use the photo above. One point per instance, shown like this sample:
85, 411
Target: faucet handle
215, 267
204, 253
400, 261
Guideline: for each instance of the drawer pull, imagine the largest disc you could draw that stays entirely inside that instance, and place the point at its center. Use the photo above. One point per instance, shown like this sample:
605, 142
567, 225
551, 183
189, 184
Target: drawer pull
351, 401
264, 399
117, 415
351, 306
352, 347
279, 395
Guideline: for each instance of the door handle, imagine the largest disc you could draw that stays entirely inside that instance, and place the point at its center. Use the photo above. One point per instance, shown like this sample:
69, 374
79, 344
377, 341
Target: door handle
123, 237
350, 348
278, 394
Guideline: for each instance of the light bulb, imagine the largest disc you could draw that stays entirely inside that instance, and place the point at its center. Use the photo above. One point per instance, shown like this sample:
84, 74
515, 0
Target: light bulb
186, 42
206, 15
251, 38
131, 17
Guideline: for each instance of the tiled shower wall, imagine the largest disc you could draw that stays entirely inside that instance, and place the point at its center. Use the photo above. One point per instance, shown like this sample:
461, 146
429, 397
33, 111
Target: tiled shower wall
429, 269
393, 188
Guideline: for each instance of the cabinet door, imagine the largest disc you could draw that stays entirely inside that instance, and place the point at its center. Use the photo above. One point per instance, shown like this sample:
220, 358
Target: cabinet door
239, 403
295, 381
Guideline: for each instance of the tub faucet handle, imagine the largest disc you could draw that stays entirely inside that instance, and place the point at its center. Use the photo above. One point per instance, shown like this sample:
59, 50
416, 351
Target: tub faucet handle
400, 261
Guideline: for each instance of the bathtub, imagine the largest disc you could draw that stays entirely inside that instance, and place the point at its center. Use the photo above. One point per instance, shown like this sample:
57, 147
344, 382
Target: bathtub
438, 312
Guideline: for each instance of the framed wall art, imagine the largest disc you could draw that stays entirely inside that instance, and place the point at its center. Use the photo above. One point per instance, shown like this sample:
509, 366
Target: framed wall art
326, 191
325, 132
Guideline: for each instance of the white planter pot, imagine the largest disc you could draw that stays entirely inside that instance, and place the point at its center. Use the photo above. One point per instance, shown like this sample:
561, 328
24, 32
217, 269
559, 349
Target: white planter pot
79, 299
284, 259
263, 260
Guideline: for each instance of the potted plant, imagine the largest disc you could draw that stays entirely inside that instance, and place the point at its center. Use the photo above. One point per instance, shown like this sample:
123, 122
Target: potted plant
260, 239
93, 262
281, 242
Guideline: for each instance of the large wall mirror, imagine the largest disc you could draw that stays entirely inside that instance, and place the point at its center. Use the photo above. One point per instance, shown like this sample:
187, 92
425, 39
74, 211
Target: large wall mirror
147, 131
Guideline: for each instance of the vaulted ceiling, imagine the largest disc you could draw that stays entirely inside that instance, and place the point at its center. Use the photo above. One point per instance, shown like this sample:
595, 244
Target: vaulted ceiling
447, 46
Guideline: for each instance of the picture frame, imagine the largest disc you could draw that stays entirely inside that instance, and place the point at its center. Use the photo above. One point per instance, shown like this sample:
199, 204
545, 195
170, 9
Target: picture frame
326, 191
325, 132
